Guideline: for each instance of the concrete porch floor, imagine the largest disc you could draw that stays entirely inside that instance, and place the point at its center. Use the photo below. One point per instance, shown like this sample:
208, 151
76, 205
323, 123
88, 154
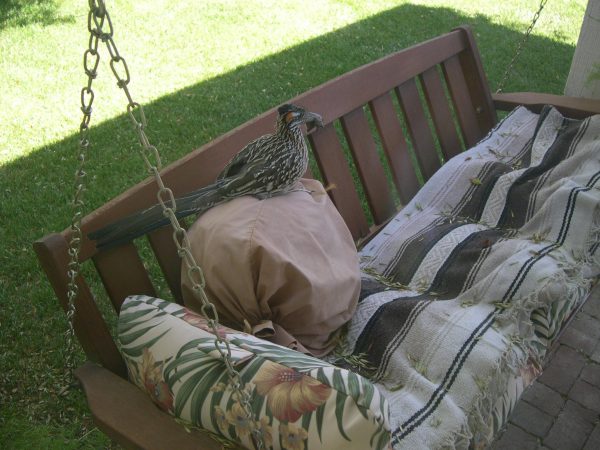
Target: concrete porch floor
561, 409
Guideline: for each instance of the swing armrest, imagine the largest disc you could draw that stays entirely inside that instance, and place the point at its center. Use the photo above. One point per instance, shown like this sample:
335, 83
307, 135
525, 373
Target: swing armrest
574, 107
126, 415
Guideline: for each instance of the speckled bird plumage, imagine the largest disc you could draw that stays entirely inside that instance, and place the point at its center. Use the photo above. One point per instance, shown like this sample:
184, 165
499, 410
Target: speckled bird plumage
268, 166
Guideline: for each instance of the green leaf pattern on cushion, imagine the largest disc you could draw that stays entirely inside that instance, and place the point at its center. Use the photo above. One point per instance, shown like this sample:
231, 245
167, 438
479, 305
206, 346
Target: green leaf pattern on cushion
299, 402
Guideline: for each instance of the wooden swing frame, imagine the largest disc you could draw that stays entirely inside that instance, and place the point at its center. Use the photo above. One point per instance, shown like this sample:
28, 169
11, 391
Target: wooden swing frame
439, 82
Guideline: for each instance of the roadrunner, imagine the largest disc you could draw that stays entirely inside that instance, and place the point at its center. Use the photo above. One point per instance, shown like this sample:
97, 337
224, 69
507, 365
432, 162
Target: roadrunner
268, 166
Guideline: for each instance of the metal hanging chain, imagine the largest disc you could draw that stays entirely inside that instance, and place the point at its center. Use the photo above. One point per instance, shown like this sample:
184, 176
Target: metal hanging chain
98, 19
520, 47
91, 59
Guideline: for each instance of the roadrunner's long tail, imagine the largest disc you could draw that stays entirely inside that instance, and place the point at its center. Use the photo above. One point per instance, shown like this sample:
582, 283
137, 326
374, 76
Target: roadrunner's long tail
140, 223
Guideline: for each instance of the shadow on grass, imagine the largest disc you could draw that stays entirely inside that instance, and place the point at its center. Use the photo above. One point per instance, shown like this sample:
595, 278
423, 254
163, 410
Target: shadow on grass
184, 120
188, 118
35, 190
18, 13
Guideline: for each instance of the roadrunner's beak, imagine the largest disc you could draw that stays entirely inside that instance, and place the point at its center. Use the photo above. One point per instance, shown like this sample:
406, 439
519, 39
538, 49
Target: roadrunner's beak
312, 120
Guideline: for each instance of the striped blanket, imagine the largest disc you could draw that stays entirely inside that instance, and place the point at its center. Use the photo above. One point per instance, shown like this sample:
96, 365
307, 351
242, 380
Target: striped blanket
467, 286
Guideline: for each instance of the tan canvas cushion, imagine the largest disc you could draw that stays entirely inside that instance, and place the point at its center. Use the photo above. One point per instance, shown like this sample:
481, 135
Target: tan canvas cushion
284, 268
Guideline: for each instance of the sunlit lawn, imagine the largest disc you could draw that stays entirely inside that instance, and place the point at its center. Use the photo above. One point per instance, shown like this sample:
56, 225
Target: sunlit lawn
202, 68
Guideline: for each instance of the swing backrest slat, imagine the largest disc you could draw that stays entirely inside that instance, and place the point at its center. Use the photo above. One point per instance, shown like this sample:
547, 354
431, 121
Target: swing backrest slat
395, 146
368, 165
477, 84
459, 90
375, 116
441, 114
334, 168
123, 273
165, 251
418, 127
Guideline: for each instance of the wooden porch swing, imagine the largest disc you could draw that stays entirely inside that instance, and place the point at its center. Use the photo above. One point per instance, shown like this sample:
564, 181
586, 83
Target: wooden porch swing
457, 98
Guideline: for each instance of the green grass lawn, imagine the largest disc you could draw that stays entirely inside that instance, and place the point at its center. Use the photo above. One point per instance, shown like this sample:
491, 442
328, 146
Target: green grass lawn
201, 68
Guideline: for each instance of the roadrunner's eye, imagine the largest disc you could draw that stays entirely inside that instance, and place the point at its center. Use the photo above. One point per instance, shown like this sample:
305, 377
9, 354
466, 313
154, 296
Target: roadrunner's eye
290, 116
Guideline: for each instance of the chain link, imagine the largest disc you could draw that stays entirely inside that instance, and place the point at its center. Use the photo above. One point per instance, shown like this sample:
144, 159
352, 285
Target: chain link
98, 18
520, 47
91, 60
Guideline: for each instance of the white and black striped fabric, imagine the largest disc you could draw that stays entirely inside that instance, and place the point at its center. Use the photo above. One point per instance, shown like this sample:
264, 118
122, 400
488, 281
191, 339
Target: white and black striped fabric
495, 251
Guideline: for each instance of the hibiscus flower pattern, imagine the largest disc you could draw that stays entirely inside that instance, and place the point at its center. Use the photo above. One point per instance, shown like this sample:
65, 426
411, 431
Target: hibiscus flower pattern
289, 394
292, 438
237, 417
151, 374
221, 419
266, 431
196, 320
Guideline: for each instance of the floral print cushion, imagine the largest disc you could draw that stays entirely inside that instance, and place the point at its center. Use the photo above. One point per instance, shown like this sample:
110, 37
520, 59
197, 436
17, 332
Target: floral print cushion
299, 402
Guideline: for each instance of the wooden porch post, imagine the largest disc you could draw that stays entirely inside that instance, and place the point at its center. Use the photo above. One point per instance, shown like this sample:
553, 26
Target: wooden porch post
584, 76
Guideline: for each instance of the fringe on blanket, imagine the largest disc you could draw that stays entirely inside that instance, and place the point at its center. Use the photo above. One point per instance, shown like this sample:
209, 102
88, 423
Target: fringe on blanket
522, 357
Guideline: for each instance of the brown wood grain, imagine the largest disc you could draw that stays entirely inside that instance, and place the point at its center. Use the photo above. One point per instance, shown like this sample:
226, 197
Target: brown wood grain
461, 97
123, 273
395, 146
574, 107
441, 113
477, 83
363, 148
418, 127
335, 170
165, 251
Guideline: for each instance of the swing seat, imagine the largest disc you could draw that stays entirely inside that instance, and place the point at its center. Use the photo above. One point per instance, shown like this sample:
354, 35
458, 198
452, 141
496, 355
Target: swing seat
445, 104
